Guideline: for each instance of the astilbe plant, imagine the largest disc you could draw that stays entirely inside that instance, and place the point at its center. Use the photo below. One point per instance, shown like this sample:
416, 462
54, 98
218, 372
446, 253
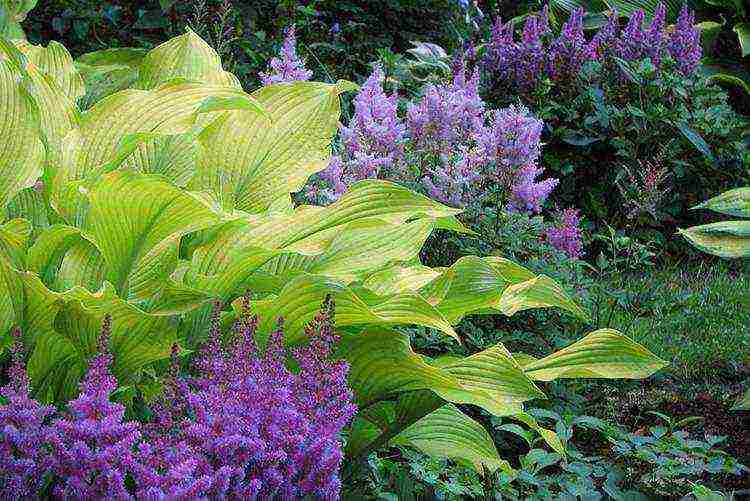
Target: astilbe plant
566, 234
287, 65
506, 61
244, 427
23, 458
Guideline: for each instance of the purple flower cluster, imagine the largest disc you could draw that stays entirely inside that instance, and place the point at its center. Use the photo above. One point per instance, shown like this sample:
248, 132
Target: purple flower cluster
566, 234
287, 66
517, 66
245, 428
23, 459
371, 143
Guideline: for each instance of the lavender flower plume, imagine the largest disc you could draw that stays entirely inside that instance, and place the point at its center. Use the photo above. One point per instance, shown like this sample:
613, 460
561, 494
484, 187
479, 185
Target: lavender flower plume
655, 35
632, 44
567, 53
287, 66
92, 448
23, 458
566, 234
371, 143
684, 44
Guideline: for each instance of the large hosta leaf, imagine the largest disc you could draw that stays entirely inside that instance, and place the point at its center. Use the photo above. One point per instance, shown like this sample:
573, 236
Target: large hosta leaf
251, 161
187, 56
22, 152
730, 239
108, 71
734, 202
65, 327
604, 353
131, 214
449, 433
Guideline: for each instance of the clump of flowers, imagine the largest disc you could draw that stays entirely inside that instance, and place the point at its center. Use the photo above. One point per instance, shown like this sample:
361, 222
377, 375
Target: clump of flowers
512, 65
287, 66
566, 234
244, 427
23, 431
371, 145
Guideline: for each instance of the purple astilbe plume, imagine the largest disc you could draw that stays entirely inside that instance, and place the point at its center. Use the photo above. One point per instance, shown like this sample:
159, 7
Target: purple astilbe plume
601, 44
632, 44
247, 427
446, 115
566, 234
92, 448
568, 52
287, 66
656, 36
23, 458
500, 52
684, 45
455, 180
510, 147
371, 143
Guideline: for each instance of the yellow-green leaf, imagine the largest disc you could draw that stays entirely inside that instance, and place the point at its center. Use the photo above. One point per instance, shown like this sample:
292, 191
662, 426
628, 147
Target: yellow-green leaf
734, 202
730, 239
604, 353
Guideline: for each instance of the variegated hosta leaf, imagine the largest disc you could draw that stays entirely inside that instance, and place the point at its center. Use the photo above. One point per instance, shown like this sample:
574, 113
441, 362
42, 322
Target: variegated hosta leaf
490, 379
108, 71
169, 109
604, 353
549, 436
56, 62
64, 328
187, 56
300, 299
449, 433
251, 160
12, 12
734, 202
730, 239
22, 152
29, 204
11, 301
538, 292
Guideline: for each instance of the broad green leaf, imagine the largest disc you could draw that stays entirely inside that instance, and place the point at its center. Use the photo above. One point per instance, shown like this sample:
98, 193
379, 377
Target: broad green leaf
396, 279
538, 292
187, 56
604, 353
734, 202
108, 71
382, 364
22, 152
252, 160
31, 205
449, 433
49, 250
491, 379
729, 239
549, 436
131, 214
66, 340
299, 300
14, 240
56, 62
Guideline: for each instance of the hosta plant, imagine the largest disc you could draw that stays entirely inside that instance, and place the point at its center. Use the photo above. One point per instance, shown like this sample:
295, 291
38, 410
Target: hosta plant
172, 191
